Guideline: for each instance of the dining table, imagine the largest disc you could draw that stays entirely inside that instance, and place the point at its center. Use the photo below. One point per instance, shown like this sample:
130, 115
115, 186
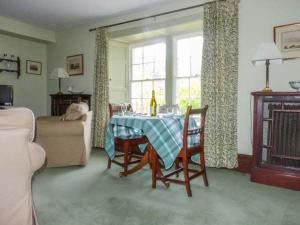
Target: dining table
164, 133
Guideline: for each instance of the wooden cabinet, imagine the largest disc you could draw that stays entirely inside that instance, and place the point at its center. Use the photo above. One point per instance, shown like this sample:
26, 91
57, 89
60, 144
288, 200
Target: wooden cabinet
60, 102
276, 139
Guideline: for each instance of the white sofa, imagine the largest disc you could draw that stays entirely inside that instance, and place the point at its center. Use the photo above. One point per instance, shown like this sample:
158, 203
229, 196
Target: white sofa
19, 159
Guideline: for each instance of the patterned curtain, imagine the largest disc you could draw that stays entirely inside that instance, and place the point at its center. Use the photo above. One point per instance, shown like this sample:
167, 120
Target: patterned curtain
101, 89
220, 82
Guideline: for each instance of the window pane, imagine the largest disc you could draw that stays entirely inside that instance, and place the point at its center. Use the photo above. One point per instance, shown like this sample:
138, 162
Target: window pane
148, 70
137, 55
196, 66
195, 87
183, 66
149, 53
149, 64
146, 105
189, 60
160, 52
159, 69
182, 88
137, 72
159, 87
147, 89
136, 105
136, 90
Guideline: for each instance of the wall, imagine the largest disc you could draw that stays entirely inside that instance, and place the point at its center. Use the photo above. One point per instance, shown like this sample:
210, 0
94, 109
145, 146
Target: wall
72, 42
29, 90
257, 19
118, 71
25, 30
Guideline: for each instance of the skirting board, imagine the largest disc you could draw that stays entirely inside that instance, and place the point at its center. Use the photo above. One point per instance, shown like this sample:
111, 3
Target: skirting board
244, 163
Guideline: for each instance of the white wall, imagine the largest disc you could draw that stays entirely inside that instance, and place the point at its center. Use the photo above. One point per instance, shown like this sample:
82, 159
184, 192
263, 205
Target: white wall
29, 90
25, 30
72, 42
257, 19
118, 72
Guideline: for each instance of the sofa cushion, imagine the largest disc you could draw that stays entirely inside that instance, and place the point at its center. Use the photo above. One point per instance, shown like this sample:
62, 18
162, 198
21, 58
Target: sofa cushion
75, 111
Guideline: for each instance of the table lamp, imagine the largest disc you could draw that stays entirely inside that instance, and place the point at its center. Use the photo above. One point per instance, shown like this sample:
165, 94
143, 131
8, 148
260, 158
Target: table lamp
59, 73
266, 54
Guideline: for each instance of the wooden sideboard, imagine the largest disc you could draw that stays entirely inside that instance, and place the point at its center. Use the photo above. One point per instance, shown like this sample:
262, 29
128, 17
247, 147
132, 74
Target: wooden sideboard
276, 139
60, 102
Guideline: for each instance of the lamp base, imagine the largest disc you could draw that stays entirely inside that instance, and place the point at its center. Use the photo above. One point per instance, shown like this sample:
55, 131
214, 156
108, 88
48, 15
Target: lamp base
267, 89
59, 93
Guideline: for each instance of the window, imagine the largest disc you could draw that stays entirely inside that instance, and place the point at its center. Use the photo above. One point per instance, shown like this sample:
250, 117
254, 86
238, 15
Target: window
148, 72
175, 78
188, 60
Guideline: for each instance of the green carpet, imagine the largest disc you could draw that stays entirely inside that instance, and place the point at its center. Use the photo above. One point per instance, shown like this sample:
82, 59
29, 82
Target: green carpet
92, 195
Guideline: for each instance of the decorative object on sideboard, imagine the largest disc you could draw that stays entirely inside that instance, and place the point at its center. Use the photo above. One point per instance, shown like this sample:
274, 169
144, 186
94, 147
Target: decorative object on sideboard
75, 64
287, 39
266, 54
295, 85
10, 64
33, 67
74, 91
59, 73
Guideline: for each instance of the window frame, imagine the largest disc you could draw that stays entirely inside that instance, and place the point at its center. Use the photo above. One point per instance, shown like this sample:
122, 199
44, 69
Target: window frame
144, 43
174, 60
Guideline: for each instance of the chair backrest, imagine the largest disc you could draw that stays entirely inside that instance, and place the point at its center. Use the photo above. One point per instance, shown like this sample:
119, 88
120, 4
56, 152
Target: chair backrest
188, 131
116, 108
168, 108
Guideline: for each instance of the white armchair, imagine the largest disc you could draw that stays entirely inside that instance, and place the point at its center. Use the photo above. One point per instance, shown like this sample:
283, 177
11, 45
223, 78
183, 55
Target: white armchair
66, 142
19, 159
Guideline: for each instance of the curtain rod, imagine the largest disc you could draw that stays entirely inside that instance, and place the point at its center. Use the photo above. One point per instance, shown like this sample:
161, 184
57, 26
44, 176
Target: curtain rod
147, 17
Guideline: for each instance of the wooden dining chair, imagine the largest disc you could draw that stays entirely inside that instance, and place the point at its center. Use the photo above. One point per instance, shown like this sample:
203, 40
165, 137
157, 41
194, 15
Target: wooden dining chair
187, 151
126, 147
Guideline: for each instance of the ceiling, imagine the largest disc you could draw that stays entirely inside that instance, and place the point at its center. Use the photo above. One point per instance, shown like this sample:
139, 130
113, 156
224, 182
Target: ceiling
57, 15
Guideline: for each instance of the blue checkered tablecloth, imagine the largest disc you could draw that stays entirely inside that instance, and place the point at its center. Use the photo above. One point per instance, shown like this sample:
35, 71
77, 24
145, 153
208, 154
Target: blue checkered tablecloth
164, 134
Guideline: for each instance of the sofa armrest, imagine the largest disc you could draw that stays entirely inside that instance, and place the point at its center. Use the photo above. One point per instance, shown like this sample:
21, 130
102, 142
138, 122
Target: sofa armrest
46, 128
37, 156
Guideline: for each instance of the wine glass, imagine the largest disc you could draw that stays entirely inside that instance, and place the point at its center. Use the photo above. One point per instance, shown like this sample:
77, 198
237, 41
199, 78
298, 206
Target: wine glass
123, 109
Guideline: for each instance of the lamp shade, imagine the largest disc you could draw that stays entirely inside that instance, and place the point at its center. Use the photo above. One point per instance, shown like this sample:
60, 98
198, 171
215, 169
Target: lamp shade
267, 51
59, 73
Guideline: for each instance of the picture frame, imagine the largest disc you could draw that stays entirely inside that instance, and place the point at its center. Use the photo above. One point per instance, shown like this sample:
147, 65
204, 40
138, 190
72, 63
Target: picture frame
287, 39
33, 67
75, 65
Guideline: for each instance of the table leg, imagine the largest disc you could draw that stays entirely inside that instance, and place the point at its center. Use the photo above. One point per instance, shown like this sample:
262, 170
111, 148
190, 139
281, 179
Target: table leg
144, 161
151, 158
156, 170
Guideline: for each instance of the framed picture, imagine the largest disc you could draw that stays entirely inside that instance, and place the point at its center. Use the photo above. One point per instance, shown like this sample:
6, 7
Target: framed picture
75, 65
287, 38
33, 67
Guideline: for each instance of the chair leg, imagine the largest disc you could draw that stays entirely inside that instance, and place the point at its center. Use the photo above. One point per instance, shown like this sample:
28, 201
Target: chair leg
108, 163
203, 168
186, 176
177, 166
126, 156
154, 165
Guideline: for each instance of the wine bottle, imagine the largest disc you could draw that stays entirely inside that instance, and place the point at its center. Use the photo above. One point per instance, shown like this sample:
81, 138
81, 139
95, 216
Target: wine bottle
153, 105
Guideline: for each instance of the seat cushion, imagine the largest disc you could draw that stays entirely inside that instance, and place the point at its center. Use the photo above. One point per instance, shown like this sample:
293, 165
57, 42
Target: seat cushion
130, 137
